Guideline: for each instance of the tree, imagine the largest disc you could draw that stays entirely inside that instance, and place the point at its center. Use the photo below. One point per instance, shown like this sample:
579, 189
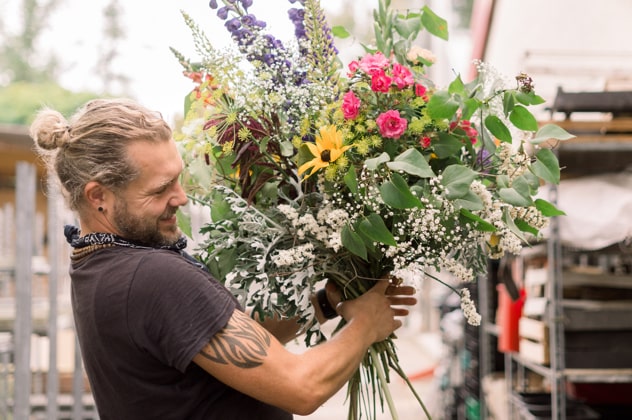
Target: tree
20, 59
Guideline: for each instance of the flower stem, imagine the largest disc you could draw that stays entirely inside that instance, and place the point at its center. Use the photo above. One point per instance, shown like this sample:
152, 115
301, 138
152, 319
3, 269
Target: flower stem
384, 384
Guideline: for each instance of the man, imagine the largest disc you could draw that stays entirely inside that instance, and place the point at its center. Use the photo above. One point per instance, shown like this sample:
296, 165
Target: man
159, 336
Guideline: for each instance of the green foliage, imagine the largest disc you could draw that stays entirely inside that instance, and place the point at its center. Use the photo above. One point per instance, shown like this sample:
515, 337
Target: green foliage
20, 101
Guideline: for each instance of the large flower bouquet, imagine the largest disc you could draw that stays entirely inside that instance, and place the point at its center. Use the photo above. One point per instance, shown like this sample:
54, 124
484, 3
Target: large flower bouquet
316, 171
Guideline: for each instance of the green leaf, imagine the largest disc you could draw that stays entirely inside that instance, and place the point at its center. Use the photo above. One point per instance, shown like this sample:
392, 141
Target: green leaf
184, 223
220, 209
340, 32
222, 262
408, 26
353, 242
518, 194
396, 193
351, 180
529, 98
479, 223
546, 166
412, 162
498, 128
447, 145
509, 102
470, 201
470, 106
522, 118
375, 228
548, 209
457, 180
372, 164
457, 87
442, 105
512, 226
434, 24
525, 227
551, 131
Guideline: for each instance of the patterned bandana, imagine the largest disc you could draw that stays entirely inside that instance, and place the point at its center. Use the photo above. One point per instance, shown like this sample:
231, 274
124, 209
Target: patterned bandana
73, 238
93, 241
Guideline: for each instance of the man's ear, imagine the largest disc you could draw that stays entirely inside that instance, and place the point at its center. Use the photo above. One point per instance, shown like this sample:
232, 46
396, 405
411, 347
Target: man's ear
96, 195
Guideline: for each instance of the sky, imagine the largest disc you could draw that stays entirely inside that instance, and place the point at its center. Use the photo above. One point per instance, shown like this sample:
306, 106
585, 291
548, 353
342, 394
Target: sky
151, 28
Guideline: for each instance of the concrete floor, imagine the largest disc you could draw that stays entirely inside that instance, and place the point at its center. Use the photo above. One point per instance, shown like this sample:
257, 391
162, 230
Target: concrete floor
418, 353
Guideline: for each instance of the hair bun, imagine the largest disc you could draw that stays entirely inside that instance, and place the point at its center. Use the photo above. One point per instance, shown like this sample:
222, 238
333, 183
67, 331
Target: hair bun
50, 130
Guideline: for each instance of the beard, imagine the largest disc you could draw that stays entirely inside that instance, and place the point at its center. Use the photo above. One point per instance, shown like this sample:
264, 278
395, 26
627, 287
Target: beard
144, 230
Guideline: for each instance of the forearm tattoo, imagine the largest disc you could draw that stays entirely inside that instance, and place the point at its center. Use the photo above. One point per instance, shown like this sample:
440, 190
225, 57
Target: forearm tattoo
240, 343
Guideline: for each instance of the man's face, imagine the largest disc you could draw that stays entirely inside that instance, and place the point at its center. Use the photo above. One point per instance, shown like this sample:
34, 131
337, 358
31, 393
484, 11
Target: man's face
145, 211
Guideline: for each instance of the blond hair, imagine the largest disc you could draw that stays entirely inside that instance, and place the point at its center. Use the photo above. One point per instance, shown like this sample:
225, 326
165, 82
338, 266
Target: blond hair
92, 145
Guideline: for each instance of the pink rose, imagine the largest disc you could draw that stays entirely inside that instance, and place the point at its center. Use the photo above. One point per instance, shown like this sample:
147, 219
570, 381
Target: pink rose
391, 125
350, 105
380, 82
425, 142
370, 63
353, 67
420, 90
402, 76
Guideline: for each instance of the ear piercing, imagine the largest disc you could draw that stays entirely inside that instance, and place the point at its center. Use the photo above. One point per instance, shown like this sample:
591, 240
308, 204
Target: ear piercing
100, 208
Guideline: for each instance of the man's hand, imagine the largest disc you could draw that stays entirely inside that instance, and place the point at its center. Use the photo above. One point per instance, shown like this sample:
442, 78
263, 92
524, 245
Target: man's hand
379, 308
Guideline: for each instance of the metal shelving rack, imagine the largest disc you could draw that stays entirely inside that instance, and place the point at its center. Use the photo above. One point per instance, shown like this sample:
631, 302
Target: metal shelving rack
617, 151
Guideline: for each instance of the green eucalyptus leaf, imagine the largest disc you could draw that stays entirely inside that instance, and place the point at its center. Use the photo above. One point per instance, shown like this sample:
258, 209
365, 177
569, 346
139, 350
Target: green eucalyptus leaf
498, 128
547, 208
340, 32
353, 242
375, 228
522, 118
470, 201
551, 131
408, 26
546, 166
372, 164
351, 180
457, 180
184, 223
434, 24
509, 102
442, 105
396, 193
457, 87
512, 226
470, 106
525, 227
518, 194
447, 145
413, 163
479, 223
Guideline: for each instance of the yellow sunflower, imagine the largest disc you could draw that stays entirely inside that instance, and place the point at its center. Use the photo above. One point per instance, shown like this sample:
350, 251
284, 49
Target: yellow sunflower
326, 149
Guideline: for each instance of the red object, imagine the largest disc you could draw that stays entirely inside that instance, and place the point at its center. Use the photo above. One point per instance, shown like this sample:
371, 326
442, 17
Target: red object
507, 318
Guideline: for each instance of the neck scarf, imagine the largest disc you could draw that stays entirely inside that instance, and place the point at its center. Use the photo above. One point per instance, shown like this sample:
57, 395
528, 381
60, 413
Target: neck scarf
86, 245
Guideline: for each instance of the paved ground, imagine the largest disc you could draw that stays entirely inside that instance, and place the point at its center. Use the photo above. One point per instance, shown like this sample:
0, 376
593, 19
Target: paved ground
418, 353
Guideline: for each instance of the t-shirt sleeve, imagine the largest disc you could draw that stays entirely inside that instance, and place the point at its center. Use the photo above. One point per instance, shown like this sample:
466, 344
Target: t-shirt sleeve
175, 308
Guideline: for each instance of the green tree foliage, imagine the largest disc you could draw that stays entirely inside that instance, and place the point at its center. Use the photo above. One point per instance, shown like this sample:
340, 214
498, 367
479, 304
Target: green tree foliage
20, 58
20, 100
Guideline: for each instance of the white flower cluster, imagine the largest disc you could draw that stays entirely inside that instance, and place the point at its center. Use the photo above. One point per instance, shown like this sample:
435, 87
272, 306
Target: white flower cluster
293, 256
469, 308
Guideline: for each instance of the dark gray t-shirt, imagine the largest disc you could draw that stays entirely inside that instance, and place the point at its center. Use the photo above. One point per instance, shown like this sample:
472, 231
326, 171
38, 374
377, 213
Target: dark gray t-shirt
141, 316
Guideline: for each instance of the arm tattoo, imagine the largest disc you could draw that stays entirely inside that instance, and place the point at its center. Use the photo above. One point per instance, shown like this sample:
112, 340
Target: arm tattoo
240, 343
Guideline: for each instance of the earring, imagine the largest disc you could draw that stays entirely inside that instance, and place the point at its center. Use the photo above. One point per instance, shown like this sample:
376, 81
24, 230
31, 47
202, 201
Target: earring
100, 208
